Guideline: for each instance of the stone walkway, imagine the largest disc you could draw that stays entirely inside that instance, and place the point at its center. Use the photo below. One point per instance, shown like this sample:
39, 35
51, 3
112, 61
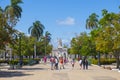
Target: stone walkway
43, 72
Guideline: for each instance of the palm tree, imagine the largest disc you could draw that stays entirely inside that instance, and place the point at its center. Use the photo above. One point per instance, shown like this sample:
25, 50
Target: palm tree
104, 12
5, 30
92, 21
47, 39
13, 12
1, 10
36, 30
1, 15
47, 36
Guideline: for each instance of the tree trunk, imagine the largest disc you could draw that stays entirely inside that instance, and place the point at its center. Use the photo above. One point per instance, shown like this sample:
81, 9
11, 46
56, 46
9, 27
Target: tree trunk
117, 59
5, 55
98, 58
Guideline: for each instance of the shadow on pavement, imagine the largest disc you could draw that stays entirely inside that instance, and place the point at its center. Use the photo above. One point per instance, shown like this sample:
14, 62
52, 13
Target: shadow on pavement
12, 74
33, 69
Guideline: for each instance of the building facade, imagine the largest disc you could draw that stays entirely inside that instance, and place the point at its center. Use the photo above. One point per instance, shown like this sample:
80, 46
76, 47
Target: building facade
60, 51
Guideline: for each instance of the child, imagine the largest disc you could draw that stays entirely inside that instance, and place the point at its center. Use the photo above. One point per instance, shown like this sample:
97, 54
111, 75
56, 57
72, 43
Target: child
73, 63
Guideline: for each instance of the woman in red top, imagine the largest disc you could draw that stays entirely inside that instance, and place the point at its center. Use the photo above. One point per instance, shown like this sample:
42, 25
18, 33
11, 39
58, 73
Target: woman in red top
61, 62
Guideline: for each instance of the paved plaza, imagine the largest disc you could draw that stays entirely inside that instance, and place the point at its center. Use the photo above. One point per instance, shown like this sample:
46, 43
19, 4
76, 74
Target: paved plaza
43, 72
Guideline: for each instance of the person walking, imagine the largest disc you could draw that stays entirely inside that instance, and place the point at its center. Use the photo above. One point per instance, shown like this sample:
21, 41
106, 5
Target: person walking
61, 62
83, 63
52, 61
86, 64
45, 59
73, 63
80, 63
56, 63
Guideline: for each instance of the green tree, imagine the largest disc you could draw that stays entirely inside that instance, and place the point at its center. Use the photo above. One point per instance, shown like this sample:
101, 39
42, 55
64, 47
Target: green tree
2, 18
92, 21
85, 44
36, 30
13, 12
82, 45
74, 47
104, 12
48, 36
109, 35
8, 19
47, 40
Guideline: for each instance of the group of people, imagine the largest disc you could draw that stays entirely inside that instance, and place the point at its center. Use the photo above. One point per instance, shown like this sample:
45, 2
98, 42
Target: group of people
82, 62
59, 62
55, 61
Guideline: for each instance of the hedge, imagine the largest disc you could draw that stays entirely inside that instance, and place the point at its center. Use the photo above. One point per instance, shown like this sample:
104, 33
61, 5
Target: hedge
103, 61
15, 62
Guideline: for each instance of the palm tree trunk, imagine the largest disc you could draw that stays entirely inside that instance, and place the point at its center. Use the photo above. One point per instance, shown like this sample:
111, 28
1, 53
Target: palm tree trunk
34, 51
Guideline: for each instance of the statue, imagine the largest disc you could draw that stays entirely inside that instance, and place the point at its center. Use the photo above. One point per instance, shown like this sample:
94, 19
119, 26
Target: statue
59, 43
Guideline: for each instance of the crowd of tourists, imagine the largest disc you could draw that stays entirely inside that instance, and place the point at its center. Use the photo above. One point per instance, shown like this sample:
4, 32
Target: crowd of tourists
83, 62
59, 62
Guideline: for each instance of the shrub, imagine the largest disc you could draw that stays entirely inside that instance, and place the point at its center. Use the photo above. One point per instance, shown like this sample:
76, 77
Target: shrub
94, 61
16, 61
103, 61
4, 61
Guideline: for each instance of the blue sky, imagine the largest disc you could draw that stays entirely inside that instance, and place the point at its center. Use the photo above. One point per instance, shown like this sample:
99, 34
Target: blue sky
62, 18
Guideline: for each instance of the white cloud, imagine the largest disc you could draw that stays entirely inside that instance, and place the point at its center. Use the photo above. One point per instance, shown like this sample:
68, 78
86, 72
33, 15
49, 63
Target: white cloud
67, 21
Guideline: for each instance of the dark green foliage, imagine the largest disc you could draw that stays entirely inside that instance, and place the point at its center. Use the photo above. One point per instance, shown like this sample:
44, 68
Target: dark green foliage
36, 30
103, 61
4, 61
25, 62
